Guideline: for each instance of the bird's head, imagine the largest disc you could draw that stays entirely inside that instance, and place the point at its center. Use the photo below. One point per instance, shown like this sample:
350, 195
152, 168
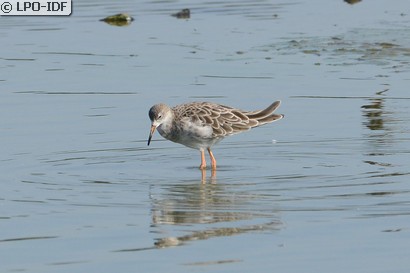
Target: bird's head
158, 114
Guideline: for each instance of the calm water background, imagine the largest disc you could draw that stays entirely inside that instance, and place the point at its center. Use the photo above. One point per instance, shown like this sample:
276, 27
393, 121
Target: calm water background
324, 190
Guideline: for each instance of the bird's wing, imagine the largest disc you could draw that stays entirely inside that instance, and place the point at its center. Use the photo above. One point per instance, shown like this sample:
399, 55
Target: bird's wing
224, 120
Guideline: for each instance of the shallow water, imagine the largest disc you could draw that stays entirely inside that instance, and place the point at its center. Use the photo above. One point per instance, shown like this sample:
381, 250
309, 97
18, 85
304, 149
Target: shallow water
324, 189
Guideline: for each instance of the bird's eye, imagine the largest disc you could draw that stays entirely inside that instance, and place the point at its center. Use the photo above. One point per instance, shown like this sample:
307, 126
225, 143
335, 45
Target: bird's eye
159, 116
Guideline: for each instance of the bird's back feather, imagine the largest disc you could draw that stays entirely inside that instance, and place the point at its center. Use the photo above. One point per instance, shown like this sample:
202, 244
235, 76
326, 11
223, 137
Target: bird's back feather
226, 120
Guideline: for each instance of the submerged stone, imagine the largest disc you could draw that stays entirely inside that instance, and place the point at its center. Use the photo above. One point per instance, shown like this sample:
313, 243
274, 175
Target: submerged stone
352, 1
120, 19
183, 14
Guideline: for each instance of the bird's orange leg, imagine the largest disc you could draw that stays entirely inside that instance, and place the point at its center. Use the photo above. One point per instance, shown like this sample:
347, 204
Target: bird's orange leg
203, 162
213, 160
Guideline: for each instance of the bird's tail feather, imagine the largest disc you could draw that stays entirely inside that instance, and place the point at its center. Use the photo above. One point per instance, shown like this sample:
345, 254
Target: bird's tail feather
266, 115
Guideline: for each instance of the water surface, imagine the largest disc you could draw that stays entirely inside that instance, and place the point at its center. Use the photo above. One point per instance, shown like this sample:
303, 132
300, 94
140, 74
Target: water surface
323, 190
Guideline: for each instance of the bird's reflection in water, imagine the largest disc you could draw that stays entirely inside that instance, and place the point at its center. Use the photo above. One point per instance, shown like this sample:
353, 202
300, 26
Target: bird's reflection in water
207, 211
212, 179
211, 233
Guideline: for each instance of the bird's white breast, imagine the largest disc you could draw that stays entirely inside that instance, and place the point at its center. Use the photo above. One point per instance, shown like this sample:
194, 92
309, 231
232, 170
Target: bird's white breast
191, 134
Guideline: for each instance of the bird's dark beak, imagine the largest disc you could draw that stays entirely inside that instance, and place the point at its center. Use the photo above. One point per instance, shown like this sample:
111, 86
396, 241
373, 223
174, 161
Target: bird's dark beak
153, 127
